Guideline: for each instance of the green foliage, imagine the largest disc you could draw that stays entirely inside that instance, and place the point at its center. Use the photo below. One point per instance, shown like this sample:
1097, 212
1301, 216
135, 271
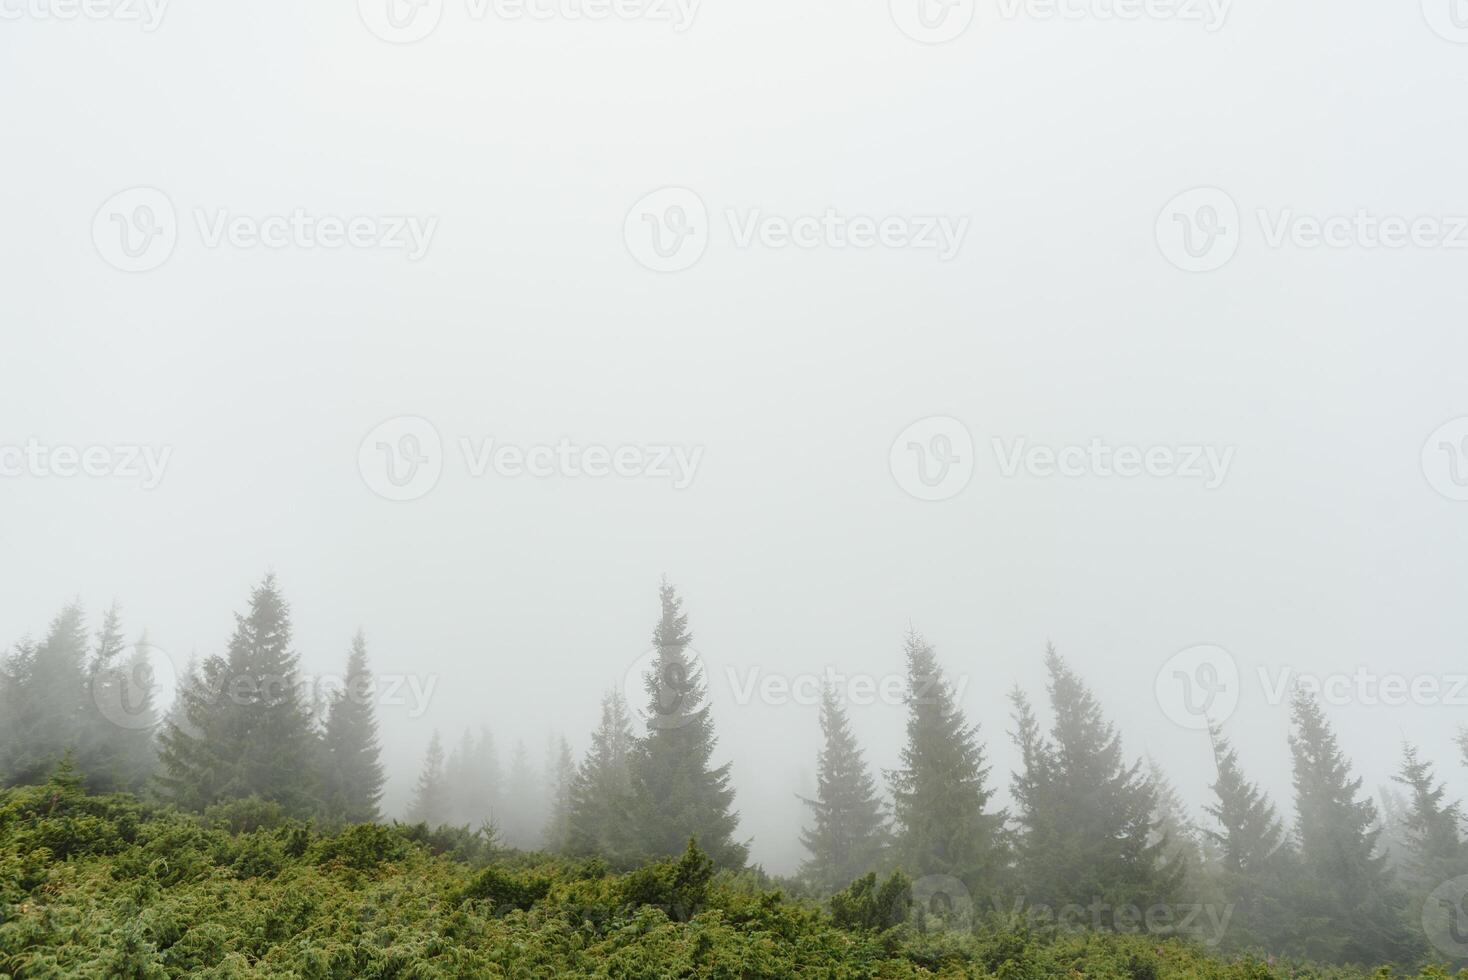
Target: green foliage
847, 835
148, 892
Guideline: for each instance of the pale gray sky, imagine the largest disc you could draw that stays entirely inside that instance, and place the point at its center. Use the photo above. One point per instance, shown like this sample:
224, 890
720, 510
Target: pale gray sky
519, 151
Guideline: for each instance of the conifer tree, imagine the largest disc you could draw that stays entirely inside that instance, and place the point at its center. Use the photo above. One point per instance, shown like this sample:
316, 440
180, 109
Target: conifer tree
521, 808
676, 792
117, 744
941, 789
1431, 825
1348, 910
1086, 816
599, 822
1250, 833
558, 825
848, 831
431, 798
354, 776
1173, 826
49, 688
246, 730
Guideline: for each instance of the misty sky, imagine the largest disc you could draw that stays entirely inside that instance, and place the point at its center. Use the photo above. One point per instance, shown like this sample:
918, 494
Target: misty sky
528, 316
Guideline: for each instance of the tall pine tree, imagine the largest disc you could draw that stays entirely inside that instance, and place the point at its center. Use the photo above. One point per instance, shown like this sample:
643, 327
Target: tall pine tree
1432, 824
940, 792
848, 831
354, 777
676, 792
431, 796
1087, 830
48, 694
599, 820
1348, 910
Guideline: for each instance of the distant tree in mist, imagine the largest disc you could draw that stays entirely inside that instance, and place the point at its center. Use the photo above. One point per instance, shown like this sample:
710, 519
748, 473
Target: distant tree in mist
1345, 905
676, 791
521, 809
942, 824
354, 776
245, 729
47, 685
118, 749
1087, 824
557, 832
1183, 841
431, 796
599, 812
1432, 825
848, 834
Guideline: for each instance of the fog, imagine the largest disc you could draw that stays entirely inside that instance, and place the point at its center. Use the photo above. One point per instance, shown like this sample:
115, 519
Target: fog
807, 293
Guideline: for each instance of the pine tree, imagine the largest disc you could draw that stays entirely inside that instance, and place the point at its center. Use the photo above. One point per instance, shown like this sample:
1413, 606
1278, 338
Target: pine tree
1173, 826
1344, 885
117, 744
521, 807
354, 775
599, 819
848, 831
676, 793
248, 730
1250, 833
558, 826
48, 688
1087, 832
431, 795
940, 792
1431, 825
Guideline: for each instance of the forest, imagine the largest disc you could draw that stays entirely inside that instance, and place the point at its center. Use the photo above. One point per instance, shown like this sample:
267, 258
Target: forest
238, 831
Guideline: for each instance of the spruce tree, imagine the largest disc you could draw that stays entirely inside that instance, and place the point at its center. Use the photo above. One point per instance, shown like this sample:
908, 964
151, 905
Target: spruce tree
1431, 825
848, 831
1349, 911
521, 808
1250, 832
557, 834
431, 797
1087, 832
49, 691
676, 792
354, 775
599, 821
247, 730
1173, 826
117, 739
941, 791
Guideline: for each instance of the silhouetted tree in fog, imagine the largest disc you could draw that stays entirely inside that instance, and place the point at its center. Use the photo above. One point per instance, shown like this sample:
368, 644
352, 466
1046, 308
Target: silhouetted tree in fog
847, 835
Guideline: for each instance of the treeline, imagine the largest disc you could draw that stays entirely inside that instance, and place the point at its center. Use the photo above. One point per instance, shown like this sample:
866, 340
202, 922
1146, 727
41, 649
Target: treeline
1090, 830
